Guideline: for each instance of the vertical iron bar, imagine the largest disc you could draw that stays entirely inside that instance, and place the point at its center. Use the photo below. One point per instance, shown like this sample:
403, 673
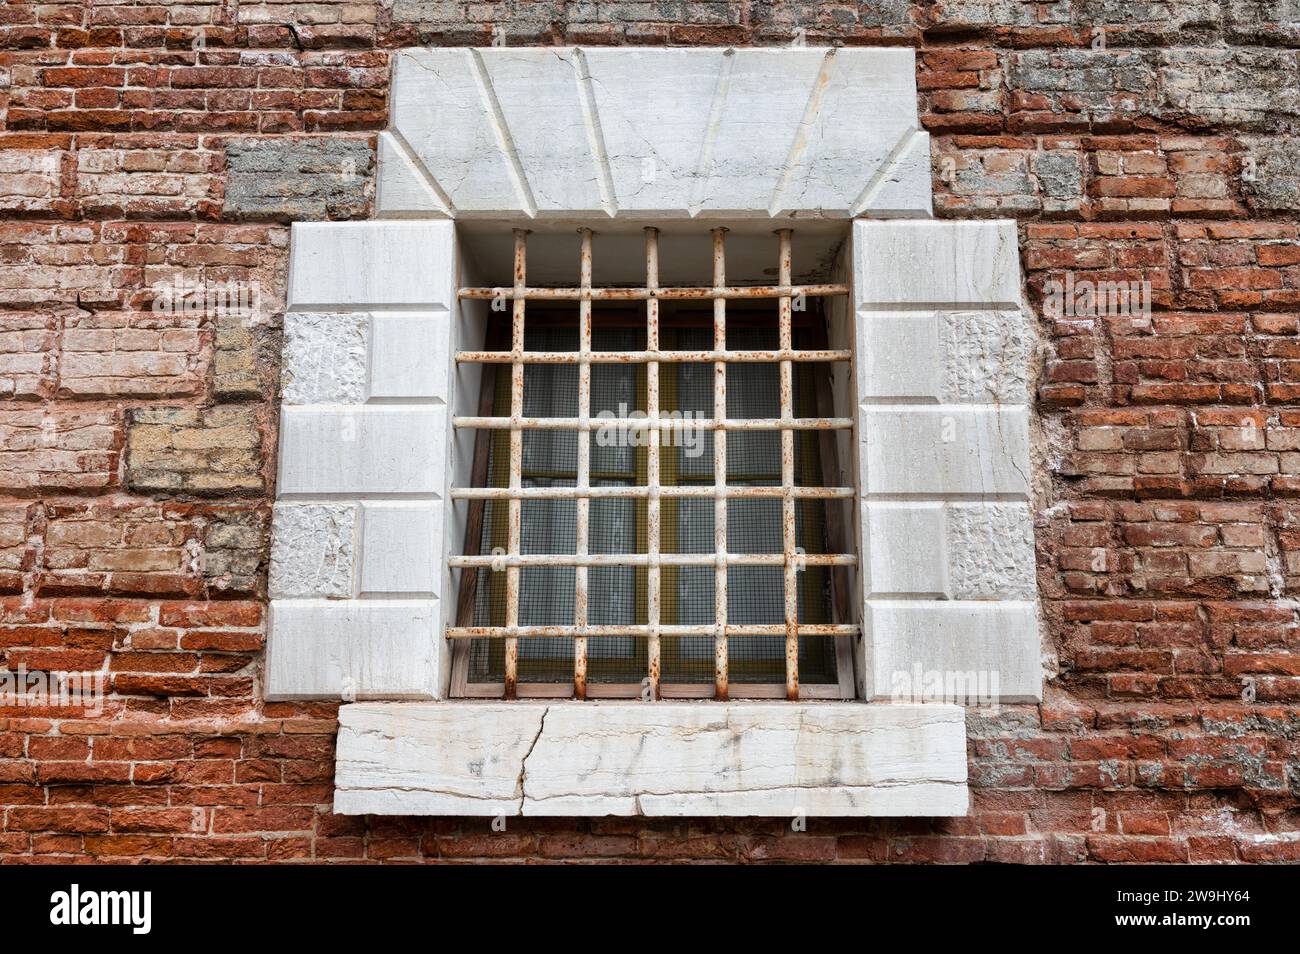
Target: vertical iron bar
788, 540
653, 581
583, 502
720, 668
516, 459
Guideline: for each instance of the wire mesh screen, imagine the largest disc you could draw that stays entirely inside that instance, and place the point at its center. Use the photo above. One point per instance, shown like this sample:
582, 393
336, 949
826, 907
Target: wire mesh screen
617, 594
603, 550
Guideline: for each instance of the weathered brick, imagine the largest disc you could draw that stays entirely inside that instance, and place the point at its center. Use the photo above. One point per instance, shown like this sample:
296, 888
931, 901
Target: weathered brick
209, 451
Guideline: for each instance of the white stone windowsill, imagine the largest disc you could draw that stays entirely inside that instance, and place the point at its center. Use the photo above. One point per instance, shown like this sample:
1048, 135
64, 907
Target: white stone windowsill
651, 759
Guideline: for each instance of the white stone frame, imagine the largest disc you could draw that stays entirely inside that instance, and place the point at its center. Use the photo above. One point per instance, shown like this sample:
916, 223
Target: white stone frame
361, 532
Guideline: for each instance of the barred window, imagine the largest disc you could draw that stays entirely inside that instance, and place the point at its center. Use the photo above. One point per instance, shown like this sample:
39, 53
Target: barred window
651, 512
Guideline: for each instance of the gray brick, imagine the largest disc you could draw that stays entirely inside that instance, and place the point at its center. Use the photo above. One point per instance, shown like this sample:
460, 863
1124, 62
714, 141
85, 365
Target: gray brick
299, 179
1060, 174
1250, 89
1271, 177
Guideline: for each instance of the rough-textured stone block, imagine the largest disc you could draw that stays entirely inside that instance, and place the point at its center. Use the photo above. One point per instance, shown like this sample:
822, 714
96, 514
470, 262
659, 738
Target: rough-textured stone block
598, 759
209, 451
241, 355
1244, 88
363, 450
371, 264
298, 179
234, 550
991, 648
354, 649
324, 357
313, 550
990, 551
353, 357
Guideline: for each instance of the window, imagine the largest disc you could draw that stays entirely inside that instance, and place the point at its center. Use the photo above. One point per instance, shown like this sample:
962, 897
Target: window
458, 516
648, 511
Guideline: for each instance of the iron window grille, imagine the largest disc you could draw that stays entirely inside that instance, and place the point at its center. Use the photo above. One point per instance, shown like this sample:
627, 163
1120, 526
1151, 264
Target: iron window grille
797, 491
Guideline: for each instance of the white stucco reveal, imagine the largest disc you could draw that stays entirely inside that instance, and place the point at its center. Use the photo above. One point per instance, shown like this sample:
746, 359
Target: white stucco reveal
682, 759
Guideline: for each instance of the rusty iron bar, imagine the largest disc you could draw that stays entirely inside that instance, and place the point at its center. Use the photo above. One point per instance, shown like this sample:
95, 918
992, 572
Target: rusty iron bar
583, 503
643, 424
658, 357
651, 492
675, 293
605, 632
515, 505
653, 542
788, 538
721, 674
505, 561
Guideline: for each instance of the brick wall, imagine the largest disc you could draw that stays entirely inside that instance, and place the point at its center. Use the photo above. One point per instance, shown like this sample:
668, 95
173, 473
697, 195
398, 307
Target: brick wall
147, 145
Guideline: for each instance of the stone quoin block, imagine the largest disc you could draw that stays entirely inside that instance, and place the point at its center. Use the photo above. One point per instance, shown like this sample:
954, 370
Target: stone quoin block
363, 450
401, 548
410, 355
324, 359
953, 264
949, 357
354, 649
962, 640
371, 265
944, 450
354, 357
313, 550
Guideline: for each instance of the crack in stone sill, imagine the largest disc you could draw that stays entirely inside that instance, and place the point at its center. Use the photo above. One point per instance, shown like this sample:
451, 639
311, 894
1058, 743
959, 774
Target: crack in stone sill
523, 763
752, 790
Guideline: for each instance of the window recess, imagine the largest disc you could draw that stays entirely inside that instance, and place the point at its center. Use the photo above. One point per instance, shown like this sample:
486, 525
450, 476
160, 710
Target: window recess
648, 516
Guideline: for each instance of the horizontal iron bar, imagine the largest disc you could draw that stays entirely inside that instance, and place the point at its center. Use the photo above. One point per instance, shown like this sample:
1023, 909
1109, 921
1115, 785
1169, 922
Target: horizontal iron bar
633, 293
506, 560
701, 491
645, 424
702, 629
645, 357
